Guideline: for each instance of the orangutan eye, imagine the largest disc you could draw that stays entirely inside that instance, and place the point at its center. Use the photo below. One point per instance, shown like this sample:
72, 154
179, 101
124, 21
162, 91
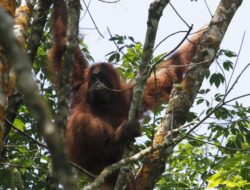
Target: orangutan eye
101, 76
94, 77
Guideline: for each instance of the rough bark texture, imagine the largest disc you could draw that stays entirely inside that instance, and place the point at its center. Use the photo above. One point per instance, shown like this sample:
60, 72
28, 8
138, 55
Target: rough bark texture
155, 13
183, 95
21, 23
68, 62
7, 78
35, 103
7, 84
9, 6
37, 27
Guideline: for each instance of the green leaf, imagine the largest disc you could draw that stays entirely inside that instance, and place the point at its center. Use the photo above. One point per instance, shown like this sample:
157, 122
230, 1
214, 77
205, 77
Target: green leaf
218, 97
228, 65
112, 57
216, 179
217, 79
131, 38
19, 124
221, 113
229, 53
191, 116
23, 149
117, 57
138, 48
199, 101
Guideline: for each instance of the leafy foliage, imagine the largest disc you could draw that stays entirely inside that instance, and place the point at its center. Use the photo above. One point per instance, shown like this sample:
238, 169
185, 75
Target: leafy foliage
129, 61
217, 154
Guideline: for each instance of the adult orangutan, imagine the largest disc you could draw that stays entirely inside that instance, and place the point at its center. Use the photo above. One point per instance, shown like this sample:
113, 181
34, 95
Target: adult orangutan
97, 126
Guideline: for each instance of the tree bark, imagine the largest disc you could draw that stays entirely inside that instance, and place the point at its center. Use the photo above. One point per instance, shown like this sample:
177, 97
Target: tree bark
35, 103
183, 95
154, 15
7, 78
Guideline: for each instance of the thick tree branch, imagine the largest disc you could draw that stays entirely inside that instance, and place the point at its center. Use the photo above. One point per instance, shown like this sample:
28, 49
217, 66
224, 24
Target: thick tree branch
183, 95
37, 27
21, 23
112, 168
7, 77
73, 8
35, 102
9, 6
154, 15
22, 19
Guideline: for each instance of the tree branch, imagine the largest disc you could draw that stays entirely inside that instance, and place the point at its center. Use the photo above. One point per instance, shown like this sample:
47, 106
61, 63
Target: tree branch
22, 19
154, 15
68, 62
35, 102
7, 76
40, 18
112, 168
183, 95
91, 17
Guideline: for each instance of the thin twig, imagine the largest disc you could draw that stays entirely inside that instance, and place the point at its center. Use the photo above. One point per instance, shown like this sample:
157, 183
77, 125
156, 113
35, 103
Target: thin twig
208, 8
173, 50
217, 145
92, 19
20, 166
236, 62
183, 20
170, 35
85, 12
24, 134
116, 45
238, 97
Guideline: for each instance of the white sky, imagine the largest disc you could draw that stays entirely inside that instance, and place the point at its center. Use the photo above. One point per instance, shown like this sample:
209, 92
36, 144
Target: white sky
128, 17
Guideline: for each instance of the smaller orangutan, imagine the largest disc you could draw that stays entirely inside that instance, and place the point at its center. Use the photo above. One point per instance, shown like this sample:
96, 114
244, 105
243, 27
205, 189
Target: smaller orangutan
98, 126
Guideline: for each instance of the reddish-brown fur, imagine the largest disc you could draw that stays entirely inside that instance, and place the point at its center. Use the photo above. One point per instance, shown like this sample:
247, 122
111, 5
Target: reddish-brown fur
96, 132
170, 71
97, 126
